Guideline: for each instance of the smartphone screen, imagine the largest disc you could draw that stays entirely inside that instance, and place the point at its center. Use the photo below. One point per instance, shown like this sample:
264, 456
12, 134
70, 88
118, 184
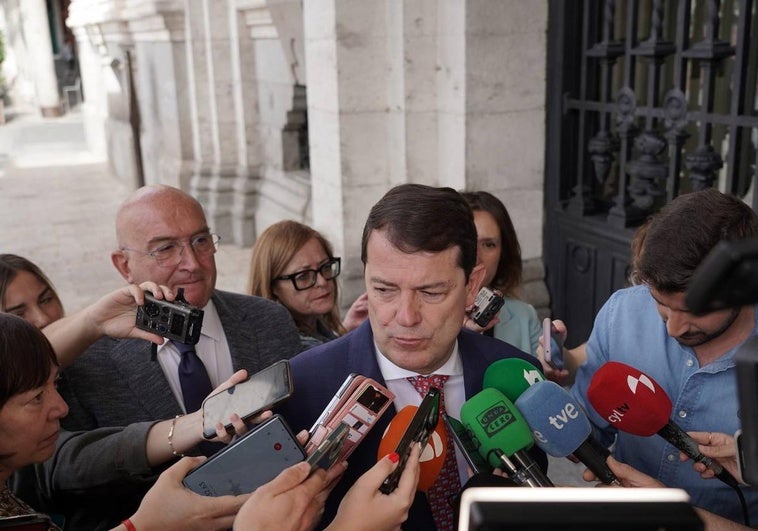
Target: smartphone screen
362, 414
419, 429
328, 452
254, 459
259, 392
467, 445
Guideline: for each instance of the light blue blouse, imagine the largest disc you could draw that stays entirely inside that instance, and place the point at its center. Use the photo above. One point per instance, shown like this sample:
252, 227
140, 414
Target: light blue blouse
519, 325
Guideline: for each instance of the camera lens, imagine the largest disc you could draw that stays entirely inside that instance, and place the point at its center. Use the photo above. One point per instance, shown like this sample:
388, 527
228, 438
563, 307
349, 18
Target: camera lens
152, 309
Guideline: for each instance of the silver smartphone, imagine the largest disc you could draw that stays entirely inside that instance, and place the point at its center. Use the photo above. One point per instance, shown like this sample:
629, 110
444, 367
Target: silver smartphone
259, 392
254, 459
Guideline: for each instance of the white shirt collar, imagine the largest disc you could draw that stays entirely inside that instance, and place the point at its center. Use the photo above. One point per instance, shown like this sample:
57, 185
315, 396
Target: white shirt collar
390, 371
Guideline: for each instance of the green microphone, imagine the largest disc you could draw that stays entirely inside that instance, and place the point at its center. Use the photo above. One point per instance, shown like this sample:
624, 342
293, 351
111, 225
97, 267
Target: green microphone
503, 436
512, 377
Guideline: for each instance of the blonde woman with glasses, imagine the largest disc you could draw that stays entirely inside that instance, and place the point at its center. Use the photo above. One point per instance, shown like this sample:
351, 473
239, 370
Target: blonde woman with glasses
295, 265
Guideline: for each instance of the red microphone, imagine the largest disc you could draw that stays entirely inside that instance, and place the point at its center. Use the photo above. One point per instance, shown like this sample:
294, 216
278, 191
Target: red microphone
433, 455
633, 402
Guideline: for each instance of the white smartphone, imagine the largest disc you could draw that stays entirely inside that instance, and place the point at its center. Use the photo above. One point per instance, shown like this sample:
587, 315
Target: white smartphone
552, 357
547, 325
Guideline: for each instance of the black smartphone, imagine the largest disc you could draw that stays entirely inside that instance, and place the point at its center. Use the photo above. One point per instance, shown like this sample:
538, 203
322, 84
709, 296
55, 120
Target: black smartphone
259, 392
254, 459
328, 452
419, 429
465, 442
488, 302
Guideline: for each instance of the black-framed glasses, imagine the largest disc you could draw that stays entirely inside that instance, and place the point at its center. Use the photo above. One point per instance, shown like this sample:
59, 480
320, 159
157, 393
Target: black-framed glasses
306, 278
169, 253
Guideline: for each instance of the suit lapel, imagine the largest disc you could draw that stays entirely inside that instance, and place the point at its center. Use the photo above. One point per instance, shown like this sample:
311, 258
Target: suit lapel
145, 378
474, 363
238, 335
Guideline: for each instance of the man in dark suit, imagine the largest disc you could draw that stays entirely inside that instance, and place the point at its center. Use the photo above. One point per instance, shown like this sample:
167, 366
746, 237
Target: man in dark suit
419, 253
163, 236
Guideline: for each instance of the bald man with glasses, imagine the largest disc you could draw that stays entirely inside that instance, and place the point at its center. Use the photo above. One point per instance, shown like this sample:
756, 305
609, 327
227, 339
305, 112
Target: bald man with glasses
163, 236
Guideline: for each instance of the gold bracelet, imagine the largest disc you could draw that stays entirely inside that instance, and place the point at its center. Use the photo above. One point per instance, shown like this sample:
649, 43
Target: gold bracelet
171, 437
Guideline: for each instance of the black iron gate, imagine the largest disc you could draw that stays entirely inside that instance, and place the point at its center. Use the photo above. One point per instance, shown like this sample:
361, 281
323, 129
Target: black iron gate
647, 99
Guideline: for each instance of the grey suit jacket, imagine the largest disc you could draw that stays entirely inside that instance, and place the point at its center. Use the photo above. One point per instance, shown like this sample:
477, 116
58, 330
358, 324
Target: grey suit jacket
117, 382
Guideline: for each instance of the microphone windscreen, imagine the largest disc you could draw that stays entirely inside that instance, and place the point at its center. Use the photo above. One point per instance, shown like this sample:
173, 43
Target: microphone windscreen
433, 456
511, 377
558, 424
629, 399
496, 424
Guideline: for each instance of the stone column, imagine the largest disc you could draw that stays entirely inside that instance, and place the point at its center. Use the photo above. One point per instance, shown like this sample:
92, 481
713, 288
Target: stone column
373, 111
216, 151
446, 93
34, 19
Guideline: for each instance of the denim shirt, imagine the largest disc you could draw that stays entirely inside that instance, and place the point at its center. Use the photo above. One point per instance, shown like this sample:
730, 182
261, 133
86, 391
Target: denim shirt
630, 330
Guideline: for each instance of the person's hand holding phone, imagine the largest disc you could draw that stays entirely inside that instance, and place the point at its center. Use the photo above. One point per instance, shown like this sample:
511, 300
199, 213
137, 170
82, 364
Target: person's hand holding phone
171, 507
247, 400
239, 427
364, 507
292, 501
550, 350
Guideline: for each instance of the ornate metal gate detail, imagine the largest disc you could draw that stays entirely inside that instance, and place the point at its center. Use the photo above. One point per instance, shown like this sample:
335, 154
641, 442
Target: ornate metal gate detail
648, 99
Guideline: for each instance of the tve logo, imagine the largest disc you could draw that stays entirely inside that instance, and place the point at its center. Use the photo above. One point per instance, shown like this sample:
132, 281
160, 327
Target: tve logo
558, 420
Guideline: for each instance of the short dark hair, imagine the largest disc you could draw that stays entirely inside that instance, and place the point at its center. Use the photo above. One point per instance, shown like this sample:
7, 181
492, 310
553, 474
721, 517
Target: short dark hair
10, 265
678, 238
417, 217
509, 268
26, 357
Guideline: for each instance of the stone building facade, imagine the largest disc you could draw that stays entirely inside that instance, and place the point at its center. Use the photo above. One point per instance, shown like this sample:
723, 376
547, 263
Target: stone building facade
312, 109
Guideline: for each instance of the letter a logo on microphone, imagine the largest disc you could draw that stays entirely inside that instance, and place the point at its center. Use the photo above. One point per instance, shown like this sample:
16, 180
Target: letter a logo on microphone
643, 379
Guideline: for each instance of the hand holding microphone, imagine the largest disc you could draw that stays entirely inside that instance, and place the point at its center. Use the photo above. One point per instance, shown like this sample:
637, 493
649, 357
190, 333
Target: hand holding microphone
503, 436
634, 403
719, 446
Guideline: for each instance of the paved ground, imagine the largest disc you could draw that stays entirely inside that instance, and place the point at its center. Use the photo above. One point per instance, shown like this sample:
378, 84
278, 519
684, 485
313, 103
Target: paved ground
57, 208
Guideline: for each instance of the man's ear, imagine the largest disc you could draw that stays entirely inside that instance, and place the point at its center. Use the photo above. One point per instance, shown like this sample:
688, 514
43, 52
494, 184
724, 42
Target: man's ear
121, 263
474, 283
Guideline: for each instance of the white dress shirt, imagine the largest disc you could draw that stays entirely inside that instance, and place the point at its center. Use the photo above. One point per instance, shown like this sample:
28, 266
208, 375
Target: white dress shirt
406, 394
212, 349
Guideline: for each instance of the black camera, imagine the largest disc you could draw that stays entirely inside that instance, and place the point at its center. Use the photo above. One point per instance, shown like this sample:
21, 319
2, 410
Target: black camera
488, 302
177, 320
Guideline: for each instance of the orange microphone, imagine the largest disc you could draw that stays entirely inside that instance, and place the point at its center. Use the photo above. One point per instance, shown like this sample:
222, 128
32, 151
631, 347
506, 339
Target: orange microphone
433, 455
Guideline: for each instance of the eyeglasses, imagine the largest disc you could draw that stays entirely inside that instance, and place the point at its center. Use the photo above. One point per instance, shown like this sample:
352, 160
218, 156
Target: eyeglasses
306, 278
170, 253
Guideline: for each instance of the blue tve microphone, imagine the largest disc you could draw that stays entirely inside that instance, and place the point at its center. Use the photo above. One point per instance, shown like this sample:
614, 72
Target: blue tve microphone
560, 427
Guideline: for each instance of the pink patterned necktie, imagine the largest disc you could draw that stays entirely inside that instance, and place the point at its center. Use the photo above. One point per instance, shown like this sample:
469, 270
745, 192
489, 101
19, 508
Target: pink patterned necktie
448, 484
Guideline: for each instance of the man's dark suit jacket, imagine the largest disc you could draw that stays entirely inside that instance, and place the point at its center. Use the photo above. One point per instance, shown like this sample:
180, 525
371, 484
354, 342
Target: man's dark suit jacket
116, 382
317, 374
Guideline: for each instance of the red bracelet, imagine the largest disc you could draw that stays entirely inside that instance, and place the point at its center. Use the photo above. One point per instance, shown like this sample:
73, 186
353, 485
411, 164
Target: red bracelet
129, 525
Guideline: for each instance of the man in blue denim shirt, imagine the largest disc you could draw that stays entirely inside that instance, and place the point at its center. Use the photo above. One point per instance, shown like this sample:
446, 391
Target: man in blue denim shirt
690, 356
